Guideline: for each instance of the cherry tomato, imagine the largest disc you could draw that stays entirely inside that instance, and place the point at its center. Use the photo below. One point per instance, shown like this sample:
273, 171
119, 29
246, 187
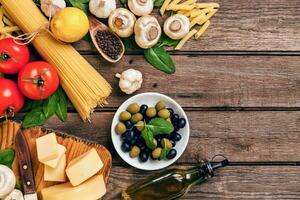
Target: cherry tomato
10, 97
13, 56
38, 80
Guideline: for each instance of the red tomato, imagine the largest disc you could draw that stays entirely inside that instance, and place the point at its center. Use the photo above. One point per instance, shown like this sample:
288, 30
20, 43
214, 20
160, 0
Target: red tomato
11, 99
13, 56
38, 80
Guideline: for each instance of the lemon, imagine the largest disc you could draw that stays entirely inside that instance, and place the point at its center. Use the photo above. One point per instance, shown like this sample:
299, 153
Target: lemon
69, 24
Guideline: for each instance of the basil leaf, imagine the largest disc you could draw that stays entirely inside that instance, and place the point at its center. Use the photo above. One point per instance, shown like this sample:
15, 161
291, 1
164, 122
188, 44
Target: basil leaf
37, 103
7, 157
27, 106
160, 59
166, 41
35, 117
124, 3
61, 110
158, 3
160, 126
130, 43
18, 186
164, 151
148, 137
50, 105
81, 4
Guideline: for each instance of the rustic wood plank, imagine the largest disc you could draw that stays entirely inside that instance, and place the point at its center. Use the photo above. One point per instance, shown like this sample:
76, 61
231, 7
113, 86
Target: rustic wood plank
264, 182
247, 26
241, 136
214, 81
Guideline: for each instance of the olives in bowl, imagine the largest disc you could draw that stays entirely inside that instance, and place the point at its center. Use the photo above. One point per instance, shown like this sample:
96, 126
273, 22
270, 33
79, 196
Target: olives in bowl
150, 131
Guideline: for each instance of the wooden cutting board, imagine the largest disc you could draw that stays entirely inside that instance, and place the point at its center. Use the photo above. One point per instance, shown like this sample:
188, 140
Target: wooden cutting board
75, 147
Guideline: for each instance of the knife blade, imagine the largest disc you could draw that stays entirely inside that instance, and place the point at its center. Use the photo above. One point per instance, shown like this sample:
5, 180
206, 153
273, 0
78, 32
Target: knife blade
25, 167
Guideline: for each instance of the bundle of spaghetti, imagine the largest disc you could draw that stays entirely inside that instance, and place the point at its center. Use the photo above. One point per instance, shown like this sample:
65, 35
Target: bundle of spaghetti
85, 87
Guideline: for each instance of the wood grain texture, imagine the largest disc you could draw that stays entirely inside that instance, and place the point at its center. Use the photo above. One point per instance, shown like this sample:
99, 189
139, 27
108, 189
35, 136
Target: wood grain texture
247, 26
246, 182
241, 136
214, 81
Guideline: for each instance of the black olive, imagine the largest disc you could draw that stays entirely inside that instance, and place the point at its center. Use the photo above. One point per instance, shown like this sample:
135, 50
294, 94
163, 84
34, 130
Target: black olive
128, 124
133, 141
171, 111
172, 154
181, 123
175, 137
126, 147
143, 109
144, 156
174, 119
130, 135
173, 143
176, 127
140, 142
158, 141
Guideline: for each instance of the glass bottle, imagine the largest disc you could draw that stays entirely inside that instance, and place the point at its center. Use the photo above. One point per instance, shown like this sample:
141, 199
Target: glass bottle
171, 184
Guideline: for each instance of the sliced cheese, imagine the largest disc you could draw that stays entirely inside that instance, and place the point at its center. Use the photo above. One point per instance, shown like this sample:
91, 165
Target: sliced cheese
47, 147
92, 189
57, 174
61, 151
83, 167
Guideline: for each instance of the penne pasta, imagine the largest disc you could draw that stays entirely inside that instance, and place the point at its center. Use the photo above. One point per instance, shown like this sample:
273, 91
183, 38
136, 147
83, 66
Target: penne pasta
202, 29
185, 39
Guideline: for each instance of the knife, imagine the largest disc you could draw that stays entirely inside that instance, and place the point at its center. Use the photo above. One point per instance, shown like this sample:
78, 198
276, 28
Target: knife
25, 167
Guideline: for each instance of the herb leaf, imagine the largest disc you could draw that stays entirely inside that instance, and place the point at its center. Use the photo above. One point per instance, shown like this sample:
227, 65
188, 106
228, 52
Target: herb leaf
158, 3
166, 41
148, 137
160, 126
50, 105
7, 157
160, 59
130, 43
18, 186
35, 117
164, 151
61, 110
124, 3
81, 4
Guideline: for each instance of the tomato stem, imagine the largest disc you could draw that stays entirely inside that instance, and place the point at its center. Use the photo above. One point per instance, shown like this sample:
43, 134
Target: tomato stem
4, 56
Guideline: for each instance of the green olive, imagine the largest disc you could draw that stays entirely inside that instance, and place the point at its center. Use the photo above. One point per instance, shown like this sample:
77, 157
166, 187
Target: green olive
120, 128
155, 142
124, 116
135, 151
136, 117
160, 105
151, 112
140, 125
165, 142
164, 113
133, 108
156, 153
169, 120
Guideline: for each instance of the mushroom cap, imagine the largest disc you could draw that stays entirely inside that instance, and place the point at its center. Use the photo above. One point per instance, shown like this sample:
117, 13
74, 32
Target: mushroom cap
141, 7
147, 31
121, 21
102, 8
177, 26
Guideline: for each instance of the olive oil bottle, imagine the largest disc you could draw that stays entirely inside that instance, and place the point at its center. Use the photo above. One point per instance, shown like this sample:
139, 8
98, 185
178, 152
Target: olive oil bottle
171, 184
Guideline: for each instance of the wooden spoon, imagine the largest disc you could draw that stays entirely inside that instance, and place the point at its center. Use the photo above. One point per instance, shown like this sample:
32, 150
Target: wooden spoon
96, 26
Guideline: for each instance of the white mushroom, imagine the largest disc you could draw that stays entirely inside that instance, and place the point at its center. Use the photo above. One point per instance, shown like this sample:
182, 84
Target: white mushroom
7, 181
130, 80
15, 195
50, 7
147, 31
102, 8
177, 26
121, 21
141, 7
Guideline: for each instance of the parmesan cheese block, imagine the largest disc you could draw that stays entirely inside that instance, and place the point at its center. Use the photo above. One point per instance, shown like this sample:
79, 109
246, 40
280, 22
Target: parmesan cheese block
57, 174
47, 147
83, 167
92, 189
53, 163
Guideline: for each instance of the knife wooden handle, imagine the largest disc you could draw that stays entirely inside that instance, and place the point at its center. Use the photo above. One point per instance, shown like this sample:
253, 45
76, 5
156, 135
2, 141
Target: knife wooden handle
25, 166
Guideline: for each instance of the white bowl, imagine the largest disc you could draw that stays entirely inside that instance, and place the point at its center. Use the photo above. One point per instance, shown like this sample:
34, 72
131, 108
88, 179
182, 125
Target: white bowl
150, 99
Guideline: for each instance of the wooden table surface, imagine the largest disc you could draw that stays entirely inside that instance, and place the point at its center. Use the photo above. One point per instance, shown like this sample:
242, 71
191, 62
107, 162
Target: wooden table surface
240, 87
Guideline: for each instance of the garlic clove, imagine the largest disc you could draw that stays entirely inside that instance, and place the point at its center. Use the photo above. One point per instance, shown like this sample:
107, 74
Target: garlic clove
130, 81
51, 7
15, 195
102, 8
7, 181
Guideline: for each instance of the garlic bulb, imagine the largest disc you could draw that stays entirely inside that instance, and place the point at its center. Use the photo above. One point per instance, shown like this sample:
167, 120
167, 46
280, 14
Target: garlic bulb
50, 7
102, 8
121, 21
147, 31
130, 80
177, 26
15, 195
140, 7
7, 181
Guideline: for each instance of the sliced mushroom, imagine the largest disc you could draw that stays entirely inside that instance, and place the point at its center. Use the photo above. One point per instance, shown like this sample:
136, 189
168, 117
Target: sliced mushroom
121, 21
141, 7
147, 31
177, 26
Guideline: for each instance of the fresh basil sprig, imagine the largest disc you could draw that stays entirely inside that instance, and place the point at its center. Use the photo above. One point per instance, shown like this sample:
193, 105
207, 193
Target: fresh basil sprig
81, 4
165, 150
166, 41
155, 127
158, 3
40, 111
7, 157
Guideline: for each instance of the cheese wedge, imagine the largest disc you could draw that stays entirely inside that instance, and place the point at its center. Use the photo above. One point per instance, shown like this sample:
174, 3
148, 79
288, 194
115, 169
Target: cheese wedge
47, 147
84, 167
92, 189
61, 151
57, 174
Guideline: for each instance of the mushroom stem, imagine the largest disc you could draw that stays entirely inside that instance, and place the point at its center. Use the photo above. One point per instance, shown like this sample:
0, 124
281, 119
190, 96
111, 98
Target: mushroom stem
118, 75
